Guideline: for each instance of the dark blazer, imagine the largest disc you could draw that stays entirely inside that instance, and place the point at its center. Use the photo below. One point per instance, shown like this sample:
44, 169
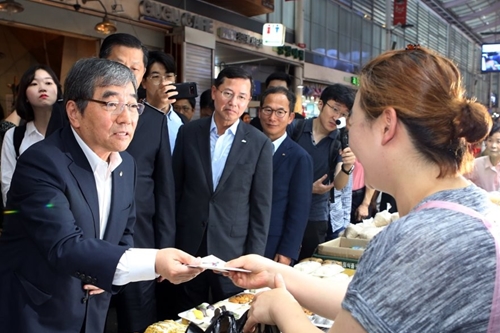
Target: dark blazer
155, 191
50, 246
292, 192
236, 216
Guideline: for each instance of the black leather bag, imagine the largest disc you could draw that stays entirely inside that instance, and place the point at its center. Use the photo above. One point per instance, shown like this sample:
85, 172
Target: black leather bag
224, 322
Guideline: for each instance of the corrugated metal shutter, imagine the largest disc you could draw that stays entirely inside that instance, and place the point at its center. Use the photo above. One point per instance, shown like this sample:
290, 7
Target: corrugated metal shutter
198, 67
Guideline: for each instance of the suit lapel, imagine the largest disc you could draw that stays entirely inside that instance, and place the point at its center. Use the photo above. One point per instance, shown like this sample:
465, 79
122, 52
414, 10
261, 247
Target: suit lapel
281, 154
238, 148
80, 169
117, 195
203, 137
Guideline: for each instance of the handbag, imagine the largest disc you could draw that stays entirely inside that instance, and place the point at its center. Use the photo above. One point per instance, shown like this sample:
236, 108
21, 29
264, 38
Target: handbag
225, 322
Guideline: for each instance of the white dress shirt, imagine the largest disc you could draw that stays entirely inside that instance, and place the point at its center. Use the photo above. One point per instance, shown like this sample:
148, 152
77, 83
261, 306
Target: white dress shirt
9, 158
174, 122
135, 264
277, 143
220, 145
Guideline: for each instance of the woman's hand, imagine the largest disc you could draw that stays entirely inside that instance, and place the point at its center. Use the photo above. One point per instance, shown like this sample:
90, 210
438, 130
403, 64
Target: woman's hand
270, 307
262, 272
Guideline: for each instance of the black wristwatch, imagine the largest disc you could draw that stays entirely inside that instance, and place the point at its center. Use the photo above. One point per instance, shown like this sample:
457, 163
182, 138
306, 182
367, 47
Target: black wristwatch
347, 172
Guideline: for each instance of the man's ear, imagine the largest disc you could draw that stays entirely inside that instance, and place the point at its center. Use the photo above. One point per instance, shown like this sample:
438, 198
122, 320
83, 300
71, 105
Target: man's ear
320, 105
74, 114
389, 120
292, 117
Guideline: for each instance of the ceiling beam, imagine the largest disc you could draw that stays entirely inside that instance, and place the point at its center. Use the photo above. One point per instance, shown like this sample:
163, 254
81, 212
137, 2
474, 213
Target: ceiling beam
455, 3
485, 27
490, 39
485, 11
452, 19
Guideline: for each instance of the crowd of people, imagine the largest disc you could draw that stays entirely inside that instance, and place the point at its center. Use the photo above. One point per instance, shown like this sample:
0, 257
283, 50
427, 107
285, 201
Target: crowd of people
109, 197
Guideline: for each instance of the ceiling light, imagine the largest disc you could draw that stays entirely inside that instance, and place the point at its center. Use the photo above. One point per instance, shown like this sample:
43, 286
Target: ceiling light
106, 26
11, 6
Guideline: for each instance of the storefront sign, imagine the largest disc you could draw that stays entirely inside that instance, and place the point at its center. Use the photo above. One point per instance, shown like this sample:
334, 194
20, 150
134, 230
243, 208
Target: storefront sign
240, 37
163, 14
289, 51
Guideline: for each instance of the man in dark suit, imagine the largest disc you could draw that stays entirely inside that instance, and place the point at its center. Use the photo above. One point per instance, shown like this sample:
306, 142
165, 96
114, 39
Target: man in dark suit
292, 177
69, 235
223, 179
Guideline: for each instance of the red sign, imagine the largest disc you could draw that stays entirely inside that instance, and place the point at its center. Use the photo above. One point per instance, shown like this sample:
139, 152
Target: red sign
399, 12
301, 45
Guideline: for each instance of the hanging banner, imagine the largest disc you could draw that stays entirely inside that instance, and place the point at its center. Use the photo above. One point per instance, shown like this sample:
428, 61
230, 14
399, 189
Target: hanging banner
399, 12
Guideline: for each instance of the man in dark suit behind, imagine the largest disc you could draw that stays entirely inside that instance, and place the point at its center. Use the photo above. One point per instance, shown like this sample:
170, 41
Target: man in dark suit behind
67, 243
223, 175
292, 177
155, 191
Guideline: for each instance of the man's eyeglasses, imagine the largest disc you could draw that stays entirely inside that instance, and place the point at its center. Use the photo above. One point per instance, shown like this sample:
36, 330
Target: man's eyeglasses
157, 79
182, 108
228, 94
280, 113
336, 110
116, 108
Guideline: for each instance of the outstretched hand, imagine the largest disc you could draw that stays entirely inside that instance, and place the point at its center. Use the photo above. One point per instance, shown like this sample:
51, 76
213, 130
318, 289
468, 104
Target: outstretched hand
261, 275
171, 265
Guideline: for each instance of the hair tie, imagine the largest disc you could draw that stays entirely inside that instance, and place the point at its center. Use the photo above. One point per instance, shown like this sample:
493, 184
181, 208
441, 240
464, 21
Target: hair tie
412, 47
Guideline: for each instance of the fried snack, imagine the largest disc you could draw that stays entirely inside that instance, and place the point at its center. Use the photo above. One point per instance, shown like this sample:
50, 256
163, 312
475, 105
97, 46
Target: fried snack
331, 262
166, 326
241, 298
312, 259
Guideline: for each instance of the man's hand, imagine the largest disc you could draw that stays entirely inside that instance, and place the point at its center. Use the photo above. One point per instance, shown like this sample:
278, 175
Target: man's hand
171, 265
282, 259
348, 158
93, 290
319, 187
162, 97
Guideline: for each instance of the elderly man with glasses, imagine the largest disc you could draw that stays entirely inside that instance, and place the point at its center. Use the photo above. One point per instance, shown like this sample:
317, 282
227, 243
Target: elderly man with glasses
223, 180
67, 244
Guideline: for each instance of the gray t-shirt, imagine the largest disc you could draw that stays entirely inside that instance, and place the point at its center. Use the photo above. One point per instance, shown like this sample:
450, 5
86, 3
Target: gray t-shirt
430, 271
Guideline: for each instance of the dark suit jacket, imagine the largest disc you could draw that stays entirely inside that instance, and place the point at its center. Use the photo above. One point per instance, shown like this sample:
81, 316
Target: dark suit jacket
292, 192
50, 244
155, 192
236, 216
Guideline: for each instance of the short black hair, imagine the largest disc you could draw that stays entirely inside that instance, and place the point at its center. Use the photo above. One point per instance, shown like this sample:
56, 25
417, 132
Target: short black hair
281, 76
339, 93
23, 107
280, 90
191, 101
161, 57
206, 100
234, 73
122, 39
